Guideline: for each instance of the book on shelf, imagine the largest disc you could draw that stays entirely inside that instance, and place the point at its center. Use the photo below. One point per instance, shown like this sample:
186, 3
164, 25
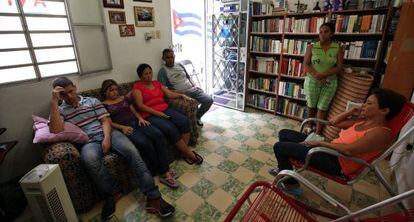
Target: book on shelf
292, 67
295, 46
264, 64
290, 108
361, 49
259, 8
263, 84
304, 25
262, 101
260, 44
358, 23
268, 25
291, 89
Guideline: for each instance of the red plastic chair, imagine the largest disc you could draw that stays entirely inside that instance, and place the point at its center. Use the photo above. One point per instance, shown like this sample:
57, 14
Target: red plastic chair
271, 204
396, 124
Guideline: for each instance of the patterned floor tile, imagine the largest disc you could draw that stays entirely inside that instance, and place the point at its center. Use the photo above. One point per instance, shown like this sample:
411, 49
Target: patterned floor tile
189, 202
237, 157
228, 166
244, 175
213, 159
233, 186
220, 199
253, 164
217, 176
189, 179
224, 151
204, 188
206, 213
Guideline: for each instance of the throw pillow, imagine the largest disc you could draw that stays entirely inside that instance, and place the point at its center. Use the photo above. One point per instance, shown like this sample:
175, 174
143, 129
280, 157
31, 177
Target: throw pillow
71, 132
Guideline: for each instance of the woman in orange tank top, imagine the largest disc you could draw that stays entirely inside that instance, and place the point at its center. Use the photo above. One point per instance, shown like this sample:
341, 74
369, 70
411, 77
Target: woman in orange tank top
362, 128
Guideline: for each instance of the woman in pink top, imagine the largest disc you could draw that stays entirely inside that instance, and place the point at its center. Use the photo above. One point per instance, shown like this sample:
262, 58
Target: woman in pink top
148, 96
362, 128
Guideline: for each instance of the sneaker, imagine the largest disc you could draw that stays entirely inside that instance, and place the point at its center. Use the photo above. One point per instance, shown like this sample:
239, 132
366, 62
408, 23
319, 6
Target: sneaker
108, 209
160, 206
199, 122
273, 171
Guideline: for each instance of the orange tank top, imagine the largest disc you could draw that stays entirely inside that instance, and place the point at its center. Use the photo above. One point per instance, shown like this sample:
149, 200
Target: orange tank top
349, 136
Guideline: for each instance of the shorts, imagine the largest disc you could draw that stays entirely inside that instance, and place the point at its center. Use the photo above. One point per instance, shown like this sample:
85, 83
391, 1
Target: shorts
318, 95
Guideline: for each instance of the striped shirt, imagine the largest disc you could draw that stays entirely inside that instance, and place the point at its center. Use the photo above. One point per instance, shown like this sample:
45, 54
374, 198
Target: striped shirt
86, 115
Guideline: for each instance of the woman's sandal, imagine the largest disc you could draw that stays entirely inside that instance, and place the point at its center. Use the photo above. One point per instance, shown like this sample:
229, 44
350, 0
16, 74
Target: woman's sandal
198, 159
169, 180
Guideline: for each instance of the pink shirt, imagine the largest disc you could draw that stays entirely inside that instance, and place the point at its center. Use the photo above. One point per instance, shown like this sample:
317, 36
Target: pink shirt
151, 97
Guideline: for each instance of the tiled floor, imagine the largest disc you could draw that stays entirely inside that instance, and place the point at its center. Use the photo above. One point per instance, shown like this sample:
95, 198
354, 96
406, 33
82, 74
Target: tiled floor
237, 148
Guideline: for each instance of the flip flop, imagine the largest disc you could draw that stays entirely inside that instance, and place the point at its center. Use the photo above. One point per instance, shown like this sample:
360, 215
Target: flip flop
199, 159
188, 160
169, 180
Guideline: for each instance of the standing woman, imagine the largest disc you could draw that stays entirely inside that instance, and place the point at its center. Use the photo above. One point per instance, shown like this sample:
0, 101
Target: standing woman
148, 96
323, 61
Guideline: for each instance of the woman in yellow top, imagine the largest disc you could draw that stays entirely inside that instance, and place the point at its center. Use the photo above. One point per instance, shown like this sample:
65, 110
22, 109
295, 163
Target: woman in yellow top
323, 60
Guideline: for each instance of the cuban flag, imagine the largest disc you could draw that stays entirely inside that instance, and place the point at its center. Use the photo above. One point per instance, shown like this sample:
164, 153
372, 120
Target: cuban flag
187, 24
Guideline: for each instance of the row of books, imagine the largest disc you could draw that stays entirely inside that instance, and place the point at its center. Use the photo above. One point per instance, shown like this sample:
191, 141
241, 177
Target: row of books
306, 25
262, 101
291, 89
297, 47
359, 23
258, 8
260, 44
268, 25
292, 67
263, 84
361, 49
262, 64
290, 108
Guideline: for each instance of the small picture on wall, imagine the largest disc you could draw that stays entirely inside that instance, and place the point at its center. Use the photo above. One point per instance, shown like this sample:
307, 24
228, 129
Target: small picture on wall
144, 16
142, 0
117, 17
126, 30
113, 3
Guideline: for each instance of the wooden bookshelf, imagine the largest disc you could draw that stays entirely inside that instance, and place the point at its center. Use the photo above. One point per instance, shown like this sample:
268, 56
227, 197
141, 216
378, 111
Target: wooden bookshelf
381, 15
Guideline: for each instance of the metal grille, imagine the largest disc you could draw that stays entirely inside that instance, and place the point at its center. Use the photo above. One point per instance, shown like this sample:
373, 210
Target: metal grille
47, 216
55, 204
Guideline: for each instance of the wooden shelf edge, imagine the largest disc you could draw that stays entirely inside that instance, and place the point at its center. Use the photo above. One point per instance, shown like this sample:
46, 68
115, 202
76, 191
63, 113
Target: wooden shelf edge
262, 91
264, 73
260, 108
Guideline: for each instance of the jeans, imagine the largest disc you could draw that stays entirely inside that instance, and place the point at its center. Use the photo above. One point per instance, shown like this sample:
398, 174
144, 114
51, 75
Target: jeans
92, 158
289, 147
152, 145
205, 100
172, 128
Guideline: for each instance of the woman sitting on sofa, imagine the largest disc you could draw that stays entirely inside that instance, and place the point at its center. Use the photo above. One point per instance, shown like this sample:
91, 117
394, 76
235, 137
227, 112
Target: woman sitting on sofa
148, 96
362, 128
148, 139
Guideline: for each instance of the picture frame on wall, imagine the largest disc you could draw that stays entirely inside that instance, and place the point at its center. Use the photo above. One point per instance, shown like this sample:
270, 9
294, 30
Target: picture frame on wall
150, 1
117, 17
127, 30
144, 16
113, 3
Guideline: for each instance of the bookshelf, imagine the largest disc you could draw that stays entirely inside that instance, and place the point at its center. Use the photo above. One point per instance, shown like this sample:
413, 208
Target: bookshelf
277, 44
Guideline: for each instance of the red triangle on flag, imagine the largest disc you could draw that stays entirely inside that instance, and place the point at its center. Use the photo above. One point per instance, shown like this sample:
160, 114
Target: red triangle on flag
177, 20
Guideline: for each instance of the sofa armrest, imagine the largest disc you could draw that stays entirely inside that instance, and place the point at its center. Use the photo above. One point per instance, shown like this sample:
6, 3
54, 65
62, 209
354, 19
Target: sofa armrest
189, 108
80, 187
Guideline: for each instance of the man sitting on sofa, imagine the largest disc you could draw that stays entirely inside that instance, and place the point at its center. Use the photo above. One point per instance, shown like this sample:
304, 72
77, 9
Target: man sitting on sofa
90, 115
175, 77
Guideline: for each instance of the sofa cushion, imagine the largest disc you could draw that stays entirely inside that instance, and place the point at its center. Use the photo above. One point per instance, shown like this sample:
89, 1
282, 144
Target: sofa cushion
71, 132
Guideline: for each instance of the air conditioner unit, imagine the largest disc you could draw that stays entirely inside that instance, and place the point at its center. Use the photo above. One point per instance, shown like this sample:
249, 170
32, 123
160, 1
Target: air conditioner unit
47, 194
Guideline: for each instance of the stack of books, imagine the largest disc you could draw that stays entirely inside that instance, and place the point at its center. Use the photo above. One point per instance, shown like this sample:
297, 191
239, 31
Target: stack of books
260, 44
263, 64
292, 67
307, 25
359, 23
291, 89
295, 46
268, 25
264, 84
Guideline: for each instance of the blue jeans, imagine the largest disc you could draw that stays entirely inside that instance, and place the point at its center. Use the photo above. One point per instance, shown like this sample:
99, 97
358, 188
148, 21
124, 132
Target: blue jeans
172, 128
152, 145
92, 158
205, 100
289, 147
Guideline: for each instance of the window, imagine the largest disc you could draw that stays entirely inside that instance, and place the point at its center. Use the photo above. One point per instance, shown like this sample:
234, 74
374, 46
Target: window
35, 40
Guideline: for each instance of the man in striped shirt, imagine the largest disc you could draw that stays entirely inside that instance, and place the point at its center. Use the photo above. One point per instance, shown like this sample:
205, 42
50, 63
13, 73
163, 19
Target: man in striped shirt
91, 116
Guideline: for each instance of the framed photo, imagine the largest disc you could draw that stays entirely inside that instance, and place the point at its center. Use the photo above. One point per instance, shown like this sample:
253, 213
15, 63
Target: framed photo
144, 16
113, 3
126, 30
142, 0
117, 17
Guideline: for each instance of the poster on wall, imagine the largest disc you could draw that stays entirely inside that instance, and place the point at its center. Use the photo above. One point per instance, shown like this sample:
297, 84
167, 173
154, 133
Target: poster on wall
117, 17
144, 16
126, 30
188, 36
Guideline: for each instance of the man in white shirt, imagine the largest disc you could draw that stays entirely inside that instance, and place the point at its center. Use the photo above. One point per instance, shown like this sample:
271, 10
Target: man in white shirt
175, 77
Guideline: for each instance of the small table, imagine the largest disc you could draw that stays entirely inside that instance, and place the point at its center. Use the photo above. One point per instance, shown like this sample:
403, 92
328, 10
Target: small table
5, 147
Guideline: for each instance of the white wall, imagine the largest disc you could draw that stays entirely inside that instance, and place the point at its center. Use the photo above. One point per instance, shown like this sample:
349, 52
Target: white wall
19, 102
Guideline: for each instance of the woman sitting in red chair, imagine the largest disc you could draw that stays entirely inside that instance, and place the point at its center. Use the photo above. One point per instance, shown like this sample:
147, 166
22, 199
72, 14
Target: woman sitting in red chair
365, 136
